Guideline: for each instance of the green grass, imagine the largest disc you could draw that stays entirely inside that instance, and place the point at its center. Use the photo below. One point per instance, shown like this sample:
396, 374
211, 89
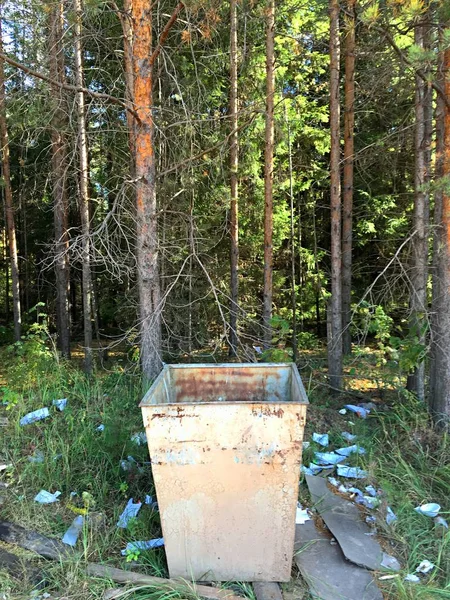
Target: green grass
405, 457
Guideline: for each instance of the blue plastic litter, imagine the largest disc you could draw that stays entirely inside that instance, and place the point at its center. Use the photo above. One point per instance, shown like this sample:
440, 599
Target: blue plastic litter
140, 439
429, 510
359, 410
390, 516
71, 536
350, 450
371, 490
130, 512
348, 437
45, 497
351, 472
101, 427
321, 438
60, 404
36, 415
328, 458
149, 545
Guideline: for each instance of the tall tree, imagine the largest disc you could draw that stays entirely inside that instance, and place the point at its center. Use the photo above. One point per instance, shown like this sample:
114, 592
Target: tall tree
234, 192
335, 305
83, 190
59, 174
268, 171
347, 200
8, 196
419, 271
440, 372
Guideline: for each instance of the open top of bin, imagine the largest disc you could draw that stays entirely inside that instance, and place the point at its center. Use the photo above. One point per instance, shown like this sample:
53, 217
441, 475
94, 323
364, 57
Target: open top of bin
226, 383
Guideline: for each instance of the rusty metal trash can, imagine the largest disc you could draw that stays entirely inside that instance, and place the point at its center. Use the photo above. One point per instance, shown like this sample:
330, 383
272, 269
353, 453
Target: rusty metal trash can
225, 445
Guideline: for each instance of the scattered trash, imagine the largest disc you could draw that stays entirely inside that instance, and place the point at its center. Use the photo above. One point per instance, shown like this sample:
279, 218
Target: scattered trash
301, 515
36, 415
45, 497
386, 577
321, 439
3, 467
306, 445
133, 546
71, 536
311, 470
359, 410
60, 404
441, 521
348, 437
371, 490
390, 562
429, 510
139, 438
328, 458
334, 482
257, 349
350, 450
343, 411
370, 502
390, 516
371, 520
351, 472
355, 490
412, 578
148, 499
425, 567
101, 427
131, 511
37, 457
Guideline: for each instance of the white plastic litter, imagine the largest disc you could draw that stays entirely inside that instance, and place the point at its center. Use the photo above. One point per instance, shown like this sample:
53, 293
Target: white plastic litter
425, 567
257, 349
133, 546
101, 427
351, 472
412, 578
429, 510
355, 490
348, 437
334, 482
306, 445
359, 410
131, 511
301, 515
390, 562
60, 404
36, 415
45, 497
328, 458
321, 439
390, 516
441, 521
139, 438
350, 450
370, 502
71, 536
343, 411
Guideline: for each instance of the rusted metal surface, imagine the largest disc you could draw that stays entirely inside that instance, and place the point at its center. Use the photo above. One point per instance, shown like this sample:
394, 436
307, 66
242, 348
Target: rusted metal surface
225, 443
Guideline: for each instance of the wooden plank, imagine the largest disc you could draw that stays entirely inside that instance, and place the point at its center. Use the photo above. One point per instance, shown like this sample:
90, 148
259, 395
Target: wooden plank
120, 576
20, 568
267, 590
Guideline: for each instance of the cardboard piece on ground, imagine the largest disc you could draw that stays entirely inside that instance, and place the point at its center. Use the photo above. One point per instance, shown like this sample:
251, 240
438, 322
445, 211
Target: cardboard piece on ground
345, 522
267, 590
325, 570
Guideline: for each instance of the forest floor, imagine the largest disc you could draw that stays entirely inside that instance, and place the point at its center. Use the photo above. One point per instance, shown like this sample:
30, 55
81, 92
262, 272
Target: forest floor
67, 452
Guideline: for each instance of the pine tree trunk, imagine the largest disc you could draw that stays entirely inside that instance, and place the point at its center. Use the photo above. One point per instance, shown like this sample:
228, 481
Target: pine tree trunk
347, 205
268, 172
335, 306
440, 400
437, 218
8, 197
292, 240
59, 175
419, 271
84, 193
234, 158
146, 216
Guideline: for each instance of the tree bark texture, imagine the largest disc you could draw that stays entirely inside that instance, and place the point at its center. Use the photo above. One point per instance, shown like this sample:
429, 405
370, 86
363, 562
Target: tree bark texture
419, 271
268, 172
440, 399
347, 200
234, 192
84, 192
8, 197
146, 214
59, 176
335, 337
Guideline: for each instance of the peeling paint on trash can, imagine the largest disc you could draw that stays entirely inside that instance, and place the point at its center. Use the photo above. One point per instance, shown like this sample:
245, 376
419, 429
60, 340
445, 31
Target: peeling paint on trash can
225, 445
